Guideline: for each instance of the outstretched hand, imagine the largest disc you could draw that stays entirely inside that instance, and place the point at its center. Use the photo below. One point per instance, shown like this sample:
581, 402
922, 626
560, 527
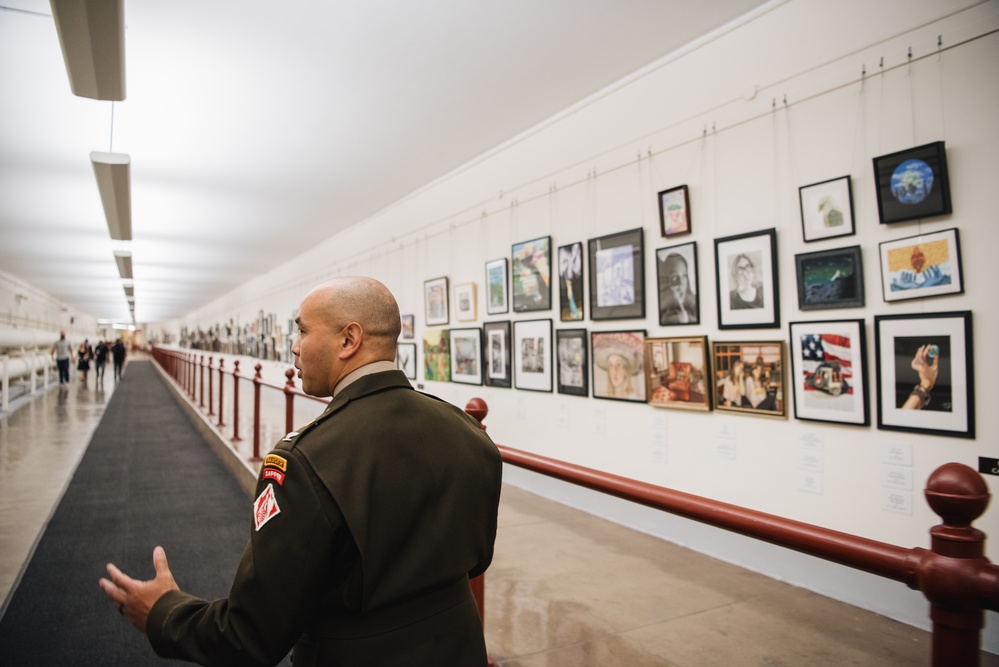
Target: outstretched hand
134, 598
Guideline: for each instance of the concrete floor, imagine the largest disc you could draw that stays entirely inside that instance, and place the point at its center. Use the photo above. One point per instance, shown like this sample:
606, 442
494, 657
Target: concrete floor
565, 588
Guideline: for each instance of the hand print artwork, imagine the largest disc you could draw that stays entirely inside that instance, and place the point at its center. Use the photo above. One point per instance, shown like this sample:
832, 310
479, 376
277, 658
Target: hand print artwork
927, 265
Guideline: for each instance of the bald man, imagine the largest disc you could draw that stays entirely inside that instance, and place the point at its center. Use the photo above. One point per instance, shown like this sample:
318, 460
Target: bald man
367, 525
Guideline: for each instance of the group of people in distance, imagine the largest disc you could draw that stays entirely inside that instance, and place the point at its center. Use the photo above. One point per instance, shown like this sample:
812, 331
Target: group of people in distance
85, 354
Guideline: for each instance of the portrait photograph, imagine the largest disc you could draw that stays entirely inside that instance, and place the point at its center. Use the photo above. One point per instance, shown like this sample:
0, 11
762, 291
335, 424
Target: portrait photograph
617, 276
746, 276
532, 275
497, 286
435, 297
925, 373
408, 326
921, 266
571, 348
466, 355
913, 183
618, 365
829, 371
674, 212
826, 209
570, 282
464, 302
532, 355
676, 274
436, 357
496, 345
677, 373
405, 359
749, 378
830, 279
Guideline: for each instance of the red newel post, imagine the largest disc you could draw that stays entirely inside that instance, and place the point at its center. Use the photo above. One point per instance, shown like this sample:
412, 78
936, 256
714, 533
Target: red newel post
211, 400
235, 403
221, 393
191, 389
289, 401
256, 413
477, 408
201, 391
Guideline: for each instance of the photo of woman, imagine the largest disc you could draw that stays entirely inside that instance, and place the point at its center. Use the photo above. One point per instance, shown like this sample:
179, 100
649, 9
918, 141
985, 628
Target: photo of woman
618, 365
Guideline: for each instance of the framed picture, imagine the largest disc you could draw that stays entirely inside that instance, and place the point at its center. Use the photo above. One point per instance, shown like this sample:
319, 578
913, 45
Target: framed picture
925, 373
532, 261
676, 274
674, 212
405, 359
677, 373
573, 365
408, 326
570, 282
618, 365
912, 183
826, 209
829, 371
497, 287
466, 355
435, 297
532, 355
617, 276
921, 266
749, 377
436, 356
496, 350
830, 279
464, 302
746, 272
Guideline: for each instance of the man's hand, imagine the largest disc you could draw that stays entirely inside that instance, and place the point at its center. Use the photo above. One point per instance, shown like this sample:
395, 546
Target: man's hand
134, 598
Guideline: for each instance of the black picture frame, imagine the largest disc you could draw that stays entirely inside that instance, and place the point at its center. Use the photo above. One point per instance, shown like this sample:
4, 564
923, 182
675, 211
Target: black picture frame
497, 348
497, 286
405, 359
830, 279
436, 300
827, 209
617, 365
674, 212
829, 371
921, 266
532, 277
617, 276
914, 348
408, 326
572, 352
677, 280
532, 355
570, 282
466, 355
913, 183
746, 276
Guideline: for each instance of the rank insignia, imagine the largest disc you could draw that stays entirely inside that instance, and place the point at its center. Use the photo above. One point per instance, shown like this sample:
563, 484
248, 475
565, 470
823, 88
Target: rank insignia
265, 507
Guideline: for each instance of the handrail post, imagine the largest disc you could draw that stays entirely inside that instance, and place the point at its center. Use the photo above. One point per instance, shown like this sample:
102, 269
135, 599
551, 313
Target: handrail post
221, 393
256, 413
211, 367
189, 375
201, 392
289, 401
235, 403
477, 409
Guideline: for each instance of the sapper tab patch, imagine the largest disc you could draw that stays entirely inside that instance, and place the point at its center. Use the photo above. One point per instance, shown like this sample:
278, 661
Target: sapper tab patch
265, 507
275, 461
272, 473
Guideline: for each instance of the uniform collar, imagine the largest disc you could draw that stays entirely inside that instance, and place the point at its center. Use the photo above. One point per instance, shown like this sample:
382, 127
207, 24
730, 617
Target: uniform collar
358, 373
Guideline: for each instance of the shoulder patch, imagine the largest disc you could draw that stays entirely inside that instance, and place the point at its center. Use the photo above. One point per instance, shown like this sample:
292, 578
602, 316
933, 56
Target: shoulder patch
273, 474
275, 461
265, 507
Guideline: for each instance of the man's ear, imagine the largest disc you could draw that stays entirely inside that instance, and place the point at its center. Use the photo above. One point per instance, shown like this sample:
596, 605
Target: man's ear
352, 337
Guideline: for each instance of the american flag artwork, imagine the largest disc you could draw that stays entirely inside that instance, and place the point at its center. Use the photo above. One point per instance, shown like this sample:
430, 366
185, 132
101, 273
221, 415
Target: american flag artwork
826, 361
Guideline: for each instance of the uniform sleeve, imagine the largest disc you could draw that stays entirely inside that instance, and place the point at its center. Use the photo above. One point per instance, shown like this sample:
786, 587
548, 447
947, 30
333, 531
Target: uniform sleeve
283, 574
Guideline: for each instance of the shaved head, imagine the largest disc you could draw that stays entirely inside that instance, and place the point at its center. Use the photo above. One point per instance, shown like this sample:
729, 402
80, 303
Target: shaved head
362, 300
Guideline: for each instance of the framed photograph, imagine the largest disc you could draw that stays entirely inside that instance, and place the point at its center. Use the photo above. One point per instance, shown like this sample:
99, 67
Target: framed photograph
925, 373
674, 212
436, 356
408, 326
435, 296
496, 350
921, 266
617, 276
532, 275
830, 279
746, 272
749, 377
405, 359
532, 355
677, 373
913, 183
497, 287
464, 302
570, 282
829, 371
826, 209
573, 365
466, 355
676, 274
618, 365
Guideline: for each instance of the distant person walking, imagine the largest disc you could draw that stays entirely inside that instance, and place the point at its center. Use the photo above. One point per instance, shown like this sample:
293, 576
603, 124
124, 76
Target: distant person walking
83, 357
100, 359
61, 353
118, 357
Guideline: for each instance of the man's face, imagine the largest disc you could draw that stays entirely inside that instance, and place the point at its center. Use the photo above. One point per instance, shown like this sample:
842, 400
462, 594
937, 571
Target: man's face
676, 274
315, 349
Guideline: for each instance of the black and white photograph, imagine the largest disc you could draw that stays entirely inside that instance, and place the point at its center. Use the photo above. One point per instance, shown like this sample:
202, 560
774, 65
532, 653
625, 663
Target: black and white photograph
746, 276
496, 344
571, 347
676, 274
532, 355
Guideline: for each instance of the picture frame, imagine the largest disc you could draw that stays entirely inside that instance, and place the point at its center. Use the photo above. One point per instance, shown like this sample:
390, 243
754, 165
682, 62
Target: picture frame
570, 282
678, 373
746, 276
531, 272
496, 351
829, 279
913, 183
532, 355
618, 365
405, 359
753, 392
674, 212
435, 298
464, 303
829, 371
497, 286
921, 266
925, 376
436, 356
466, 355
677, 279
827, 209
408, 326
617, 276
572, 352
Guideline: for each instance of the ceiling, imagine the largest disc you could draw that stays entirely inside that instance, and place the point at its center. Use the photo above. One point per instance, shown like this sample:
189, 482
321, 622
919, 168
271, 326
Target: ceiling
257, 130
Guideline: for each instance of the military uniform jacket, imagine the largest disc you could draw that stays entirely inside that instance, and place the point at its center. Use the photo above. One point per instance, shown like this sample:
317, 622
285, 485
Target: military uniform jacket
367, 525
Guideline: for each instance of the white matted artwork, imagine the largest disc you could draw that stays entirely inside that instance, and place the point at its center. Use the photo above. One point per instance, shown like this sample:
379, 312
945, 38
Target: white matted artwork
464, 302
532, 355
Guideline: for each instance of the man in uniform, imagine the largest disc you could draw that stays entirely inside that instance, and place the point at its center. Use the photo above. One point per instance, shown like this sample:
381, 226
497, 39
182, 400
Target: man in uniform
368, 523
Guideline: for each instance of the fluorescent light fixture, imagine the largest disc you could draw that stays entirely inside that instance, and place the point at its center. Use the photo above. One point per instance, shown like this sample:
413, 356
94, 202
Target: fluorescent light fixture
114, 183
124, 260
92, 37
